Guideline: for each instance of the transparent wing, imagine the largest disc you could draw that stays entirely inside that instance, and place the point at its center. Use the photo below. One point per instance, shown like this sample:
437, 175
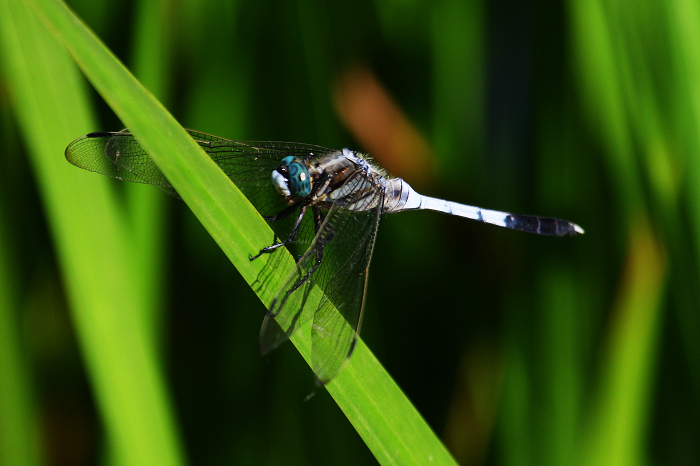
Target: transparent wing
249, 164
337, 261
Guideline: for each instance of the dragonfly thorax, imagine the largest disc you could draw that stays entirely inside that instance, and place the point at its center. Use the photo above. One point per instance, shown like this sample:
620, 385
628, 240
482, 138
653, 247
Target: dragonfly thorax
291, 178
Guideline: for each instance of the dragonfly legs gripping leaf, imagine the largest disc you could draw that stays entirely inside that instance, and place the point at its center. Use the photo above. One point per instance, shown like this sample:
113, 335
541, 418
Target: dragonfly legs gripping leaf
292, 235
317, 249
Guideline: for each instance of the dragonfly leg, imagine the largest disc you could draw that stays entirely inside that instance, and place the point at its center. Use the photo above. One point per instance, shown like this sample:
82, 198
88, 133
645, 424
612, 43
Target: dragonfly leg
292, 235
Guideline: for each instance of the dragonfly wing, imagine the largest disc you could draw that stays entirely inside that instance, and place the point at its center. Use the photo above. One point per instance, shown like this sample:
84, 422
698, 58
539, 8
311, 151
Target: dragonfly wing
334, 334
117, 155
344, 246
249, 164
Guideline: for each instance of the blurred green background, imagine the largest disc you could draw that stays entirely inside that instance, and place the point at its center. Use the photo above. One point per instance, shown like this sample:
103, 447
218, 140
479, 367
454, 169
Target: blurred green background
516, 349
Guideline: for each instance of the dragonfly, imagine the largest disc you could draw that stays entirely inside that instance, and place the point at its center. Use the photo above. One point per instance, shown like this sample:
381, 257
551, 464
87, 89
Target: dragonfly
324, 205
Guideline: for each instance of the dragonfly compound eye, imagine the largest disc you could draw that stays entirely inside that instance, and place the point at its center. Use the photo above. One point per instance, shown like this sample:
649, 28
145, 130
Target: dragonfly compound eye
299, 181
291, 178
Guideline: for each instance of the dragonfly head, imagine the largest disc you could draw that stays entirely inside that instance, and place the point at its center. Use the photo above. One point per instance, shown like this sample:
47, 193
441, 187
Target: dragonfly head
291, 178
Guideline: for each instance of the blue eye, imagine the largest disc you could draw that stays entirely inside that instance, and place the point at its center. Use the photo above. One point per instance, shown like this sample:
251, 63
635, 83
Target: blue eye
291, 178
299, 180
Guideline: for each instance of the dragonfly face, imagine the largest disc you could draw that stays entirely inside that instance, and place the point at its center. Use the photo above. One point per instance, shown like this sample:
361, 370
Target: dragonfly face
291, 178
346, 196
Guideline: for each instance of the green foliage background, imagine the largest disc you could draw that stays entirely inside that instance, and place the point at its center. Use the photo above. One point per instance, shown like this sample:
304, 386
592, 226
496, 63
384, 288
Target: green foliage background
515, 349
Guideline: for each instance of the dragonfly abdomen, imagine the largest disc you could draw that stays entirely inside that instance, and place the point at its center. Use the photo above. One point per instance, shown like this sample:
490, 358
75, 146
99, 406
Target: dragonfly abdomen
400, 196
542, 225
